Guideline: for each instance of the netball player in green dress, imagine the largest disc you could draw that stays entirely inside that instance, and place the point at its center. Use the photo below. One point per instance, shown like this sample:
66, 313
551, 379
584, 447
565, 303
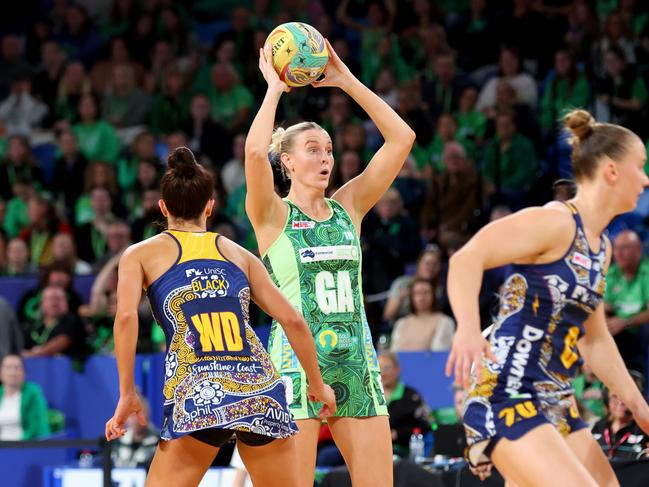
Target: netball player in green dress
310, 245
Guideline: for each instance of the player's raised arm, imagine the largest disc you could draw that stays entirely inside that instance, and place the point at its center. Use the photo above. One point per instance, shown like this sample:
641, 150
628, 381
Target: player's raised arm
361, 193
262, 203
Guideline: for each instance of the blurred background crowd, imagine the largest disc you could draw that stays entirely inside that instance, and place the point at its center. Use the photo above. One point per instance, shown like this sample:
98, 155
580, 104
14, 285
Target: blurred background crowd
95, 93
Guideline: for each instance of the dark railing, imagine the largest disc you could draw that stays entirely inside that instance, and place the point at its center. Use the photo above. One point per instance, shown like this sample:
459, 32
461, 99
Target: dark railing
103, 445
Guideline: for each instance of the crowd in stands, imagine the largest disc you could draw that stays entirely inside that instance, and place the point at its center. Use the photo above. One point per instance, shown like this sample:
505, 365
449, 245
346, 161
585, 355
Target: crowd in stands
94, 95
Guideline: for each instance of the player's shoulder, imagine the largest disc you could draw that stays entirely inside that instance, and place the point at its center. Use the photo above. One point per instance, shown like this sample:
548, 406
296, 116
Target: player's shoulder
151, 244
553, 215
235, 253
558, 205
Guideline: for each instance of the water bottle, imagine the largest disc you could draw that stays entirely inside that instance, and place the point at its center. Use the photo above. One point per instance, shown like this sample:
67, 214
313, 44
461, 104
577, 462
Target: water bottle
416, 445
384, 344
85, 459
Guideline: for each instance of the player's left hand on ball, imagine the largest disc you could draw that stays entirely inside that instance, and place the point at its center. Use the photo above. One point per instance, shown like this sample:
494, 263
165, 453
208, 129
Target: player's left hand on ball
335, 73
127, 405
327, 397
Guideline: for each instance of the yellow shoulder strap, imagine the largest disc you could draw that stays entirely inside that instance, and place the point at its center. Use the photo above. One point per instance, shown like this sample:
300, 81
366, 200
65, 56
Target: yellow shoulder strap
197, 245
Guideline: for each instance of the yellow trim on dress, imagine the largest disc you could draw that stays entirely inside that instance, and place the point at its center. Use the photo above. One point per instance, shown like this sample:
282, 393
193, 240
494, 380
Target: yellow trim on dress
197, 245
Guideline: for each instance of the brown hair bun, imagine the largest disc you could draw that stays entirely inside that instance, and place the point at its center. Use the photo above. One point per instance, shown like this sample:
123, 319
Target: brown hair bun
183, 163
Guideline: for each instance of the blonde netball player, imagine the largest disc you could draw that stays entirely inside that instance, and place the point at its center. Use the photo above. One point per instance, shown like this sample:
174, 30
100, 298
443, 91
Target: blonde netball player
519, 413
310, 245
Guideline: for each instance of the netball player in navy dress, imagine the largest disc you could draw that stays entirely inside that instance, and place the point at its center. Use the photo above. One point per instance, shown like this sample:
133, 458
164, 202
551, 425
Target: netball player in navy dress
519, 413
219, 380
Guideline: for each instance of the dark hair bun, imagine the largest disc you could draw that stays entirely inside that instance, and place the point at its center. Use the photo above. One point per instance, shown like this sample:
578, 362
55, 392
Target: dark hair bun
183, 163
580, 123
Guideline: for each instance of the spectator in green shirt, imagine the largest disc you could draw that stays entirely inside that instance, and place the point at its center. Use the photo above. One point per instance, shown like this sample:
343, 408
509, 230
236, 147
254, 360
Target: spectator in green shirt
379, 48
429, 158
627, 298
387, 55
18, 263
22, 404
171, 107
97, 138
509, 164
231, 100
568, 89
143, 148
73, 85
16, 216
407, 408
471, 123
442, 93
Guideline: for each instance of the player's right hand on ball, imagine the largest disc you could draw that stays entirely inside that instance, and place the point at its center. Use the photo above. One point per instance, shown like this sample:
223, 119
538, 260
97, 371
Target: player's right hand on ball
326, 396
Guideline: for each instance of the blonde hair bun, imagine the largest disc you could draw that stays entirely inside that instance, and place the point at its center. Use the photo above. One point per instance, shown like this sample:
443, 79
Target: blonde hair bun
580, 123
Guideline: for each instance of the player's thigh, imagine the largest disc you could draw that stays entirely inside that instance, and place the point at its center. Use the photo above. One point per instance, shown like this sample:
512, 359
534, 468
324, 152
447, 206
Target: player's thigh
273, 464
590, 454
306, 443
366, 446
540, 458
180, 463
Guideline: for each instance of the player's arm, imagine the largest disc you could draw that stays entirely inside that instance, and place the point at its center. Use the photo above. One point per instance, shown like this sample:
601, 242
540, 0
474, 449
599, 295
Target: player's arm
272, 301
526, 234
262, 203
602, 355
361, 193
600, 352
129, 291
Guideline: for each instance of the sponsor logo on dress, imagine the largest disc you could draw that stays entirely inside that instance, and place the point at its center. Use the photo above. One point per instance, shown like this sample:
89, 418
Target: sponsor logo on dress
229, 367
208, 393
302, 225
275, 420
192, 272
582, 261
329, 339
520, 359
333, 252
307, 254
204, 271
210, 285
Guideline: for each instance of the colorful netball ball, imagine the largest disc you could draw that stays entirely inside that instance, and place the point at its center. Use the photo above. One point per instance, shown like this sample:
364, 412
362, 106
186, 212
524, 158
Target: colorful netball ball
299, 53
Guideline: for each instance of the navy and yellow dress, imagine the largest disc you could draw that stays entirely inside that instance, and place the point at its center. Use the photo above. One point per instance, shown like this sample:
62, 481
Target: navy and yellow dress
217, 373
542, 312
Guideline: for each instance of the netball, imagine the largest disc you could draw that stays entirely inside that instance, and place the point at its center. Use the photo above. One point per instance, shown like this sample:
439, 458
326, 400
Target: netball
299, 53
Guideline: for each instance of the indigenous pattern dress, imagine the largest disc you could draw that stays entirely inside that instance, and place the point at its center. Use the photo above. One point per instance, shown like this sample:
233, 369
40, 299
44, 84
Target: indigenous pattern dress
217, 373
542, 312
317, 266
